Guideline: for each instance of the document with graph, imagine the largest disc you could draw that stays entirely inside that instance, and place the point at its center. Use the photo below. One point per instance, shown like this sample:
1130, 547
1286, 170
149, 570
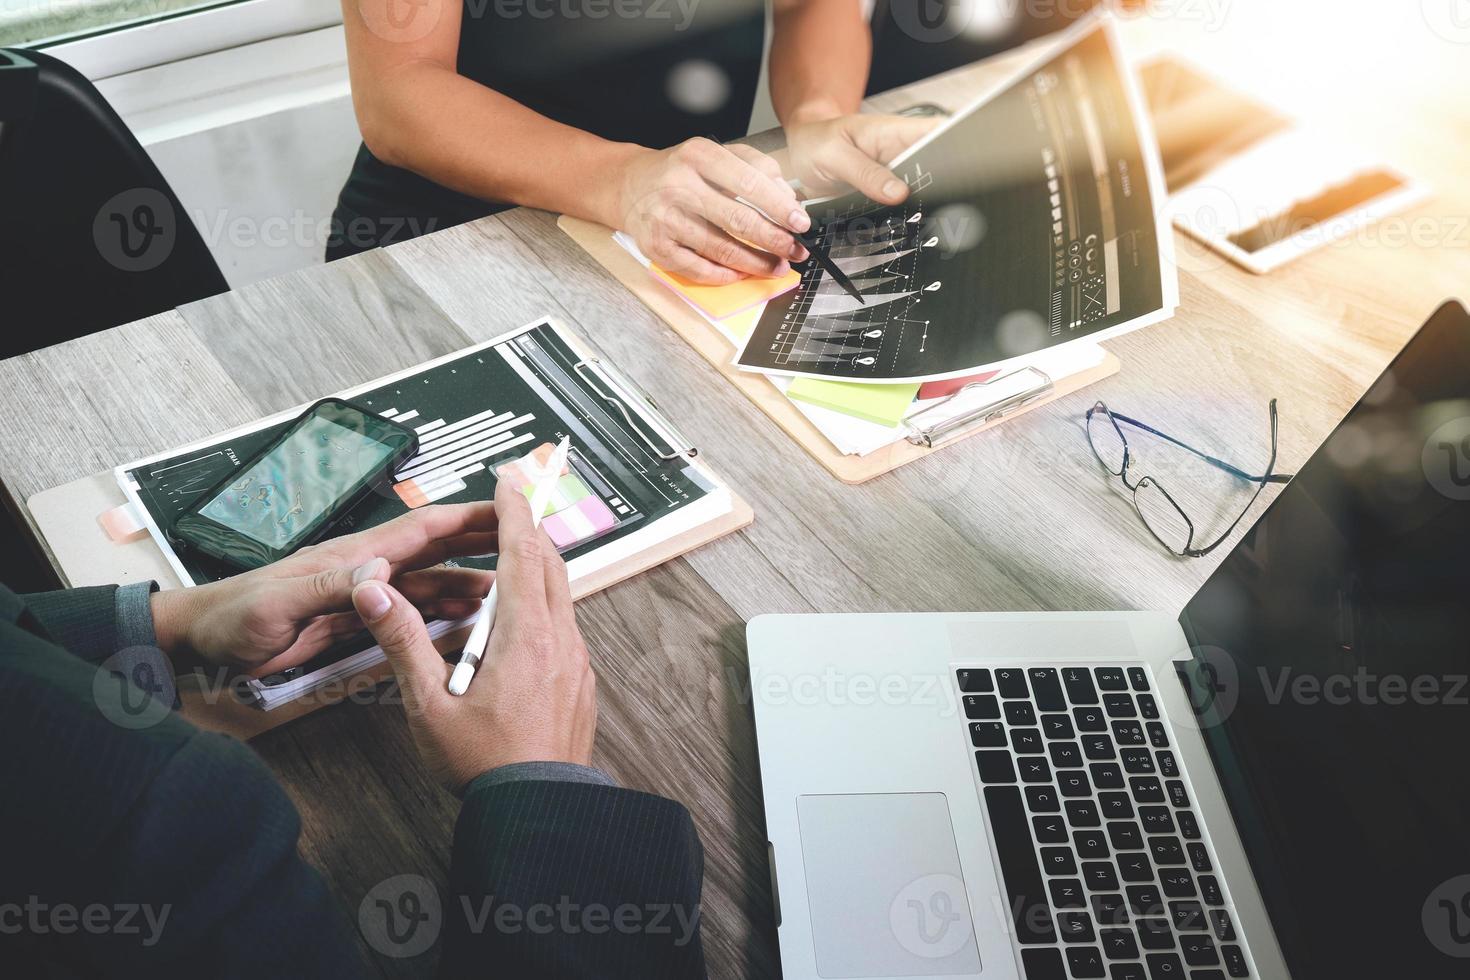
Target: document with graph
1035, 219
632, 482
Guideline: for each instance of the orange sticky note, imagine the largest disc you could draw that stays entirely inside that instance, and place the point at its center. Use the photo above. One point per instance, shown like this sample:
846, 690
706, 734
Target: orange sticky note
722, 301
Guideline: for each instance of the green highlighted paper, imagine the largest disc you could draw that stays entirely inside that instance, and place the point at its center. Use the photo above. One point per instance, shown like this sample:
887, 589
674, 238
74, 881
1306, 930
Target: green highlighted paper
884, 405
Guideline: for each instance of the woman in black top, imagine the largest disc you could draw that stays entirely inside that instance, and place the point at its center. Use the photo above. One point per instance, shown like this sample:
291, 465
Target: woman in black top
611, 110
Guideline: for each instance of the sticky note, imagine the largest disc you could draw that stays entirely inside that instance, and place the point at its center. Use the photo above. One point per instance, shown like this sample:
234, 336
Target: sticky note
723, 301
587, 518
569, 489
884, 405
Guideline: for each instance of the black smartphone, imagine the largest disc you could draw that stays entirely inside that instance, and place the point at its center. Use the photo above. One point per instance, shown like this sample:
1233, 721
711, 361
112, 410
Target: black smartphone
295, 489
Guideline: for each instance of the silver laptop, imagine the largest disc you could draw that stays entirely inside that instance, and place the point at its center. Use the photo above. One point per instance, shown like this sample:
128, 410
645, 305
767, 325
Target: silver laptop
1272, 784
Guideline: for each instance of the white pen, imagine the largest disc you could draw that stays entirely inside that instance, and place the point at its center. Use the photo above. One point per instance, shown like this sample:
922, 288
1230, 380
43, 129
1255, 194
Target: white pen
474, 647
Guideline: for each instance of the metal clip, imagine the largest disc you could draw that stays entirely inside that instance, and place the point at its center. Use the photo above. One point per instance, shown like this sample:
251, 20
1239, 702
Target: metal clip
597, 375
929, 435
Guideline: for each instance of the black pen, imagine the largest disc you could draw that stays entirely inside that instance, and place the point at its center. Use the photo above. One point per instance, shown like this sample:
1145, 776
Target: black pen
824, 260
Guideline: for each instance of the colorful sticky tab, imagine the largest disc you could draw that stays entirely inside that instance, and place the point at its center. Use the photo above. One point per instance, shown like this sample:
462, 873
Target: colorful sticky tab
884, 405
722, 301
587, 518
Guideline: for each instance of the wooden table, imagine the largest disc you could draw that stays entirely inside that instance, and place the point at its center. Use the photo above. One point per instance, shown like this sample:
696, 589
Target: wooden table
1019, 518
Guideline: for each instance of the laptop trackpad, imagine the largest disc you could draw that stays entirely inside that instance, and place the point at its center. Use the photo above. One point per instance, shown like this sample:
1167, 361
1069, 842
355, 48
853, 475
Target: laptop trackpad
886, 895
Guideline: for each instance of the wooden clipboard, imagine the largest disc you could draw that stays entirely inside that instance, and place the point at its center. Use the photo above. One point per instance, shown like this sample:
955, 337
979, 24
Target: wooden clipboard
598, 242
67, 519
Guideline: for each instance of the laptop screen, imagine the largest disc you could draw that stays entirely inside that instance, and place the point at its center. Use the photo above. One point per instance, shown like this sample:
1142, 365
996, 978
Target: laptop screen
1332, 650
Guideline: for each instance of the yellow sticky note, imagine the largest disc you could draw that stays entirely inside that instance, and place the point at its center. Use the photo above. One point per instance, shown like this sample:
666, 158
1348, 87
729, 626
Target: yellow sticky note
722, 301
880, 404
741, 324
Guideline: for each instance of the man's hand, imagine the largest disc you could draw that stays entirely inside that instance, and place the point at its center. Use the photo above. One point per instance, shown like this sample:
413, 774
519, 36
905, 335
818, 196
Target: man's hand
679, 205
534, 697
272, 618
852, 151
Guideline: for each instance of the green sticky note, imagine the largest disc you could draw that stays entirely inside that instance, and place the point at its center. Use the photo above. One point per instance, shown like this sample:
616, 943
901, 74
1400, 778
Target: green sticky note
884, 405
569, 490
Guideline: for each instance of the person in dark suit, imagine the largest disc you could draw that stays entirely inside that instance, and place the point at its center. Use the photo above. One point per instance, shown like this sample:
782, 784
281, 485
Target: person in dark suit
133, 843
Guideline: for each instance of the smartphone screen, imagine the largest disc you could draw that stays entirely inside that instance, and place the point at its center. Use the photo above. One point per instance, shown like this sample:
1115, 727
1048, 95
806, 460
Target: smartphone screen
298, 482
297, 487
1331, 203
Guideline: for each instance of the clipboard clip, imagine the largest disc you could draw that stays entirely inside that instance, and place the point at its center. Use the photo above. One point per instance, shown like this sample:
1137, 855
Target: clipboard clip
601, 377
930, 433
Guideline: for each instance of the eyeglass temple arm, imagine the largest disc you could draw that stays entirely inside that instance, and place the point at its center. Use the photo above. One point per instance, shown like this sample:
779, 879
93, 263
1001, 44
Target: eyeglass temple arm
1233, 470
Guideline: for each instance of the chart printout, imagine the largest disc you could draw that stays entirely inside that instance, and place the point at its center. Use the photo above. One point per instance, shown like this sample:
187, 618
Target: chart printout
1033, 220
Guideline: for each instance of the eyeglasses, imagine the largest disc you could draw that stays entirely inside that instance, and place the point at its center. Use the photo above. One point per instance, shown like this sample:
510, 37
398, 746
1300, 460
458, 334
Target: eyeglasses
1160, 513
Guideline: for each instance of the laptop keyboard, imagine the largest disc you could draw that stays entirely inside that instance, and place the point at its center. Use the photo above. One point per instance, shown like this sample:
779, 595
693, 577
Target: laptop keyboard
1107, 866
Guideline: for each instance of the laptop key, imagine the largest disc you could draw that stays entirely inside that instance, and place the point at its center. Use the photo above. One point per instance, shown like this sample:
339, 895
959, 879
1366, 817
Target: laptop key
1106, 775
1027, 741
1127, 971
995, 766
1078, 681
1057, 726
987, 735
1090, 719
1109, 910
1043, 799
1050, 829
1125, 835
1178, 795
1085, 962
1067, 893
1111, 679
1116, 806
1018, 866
1166, 850
1091, 843
1146, 789
1074, 782
1187, 916
1020, 713
1145, 900
1235, 963
1177, 882
1134, 866
1119, 944
1075, 927
1128, 733
981, 707
1065, 755
1098, 748
1209, 890
1137, 761
1034, 769
1058, 861
1138, 677
1164, 966
1157, 736
1043, 964
1154, 933
1188, 826
1156, 819
1199, 950
1167, 766
975, 680
1100, 876
1220, 922
1011, 683
1082, 813
1206, 975
1147, 706
1199, 857
1046, 689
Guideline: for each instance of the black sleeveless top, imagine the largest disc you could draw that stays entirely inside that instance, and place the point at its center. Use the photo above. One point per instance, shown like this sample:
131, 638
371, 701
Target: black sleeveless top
653, 72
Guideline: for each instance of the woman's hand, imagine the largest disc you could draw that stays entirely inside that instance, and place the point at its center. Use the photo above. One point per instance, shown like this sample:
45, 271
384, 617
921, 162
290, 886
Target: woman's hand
267, 620
680, 207
534, 697
852, 152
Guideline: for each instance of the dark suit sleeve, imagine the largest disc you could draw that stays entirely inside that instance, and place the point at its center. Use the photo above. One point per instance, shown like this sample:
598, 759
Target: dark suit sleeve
571, 880
83, 621
180, 843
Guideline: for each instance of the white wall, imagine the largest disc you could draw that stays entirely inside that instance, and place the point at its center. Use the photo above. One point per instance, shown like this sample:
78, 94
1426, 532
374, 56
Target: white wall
255, 140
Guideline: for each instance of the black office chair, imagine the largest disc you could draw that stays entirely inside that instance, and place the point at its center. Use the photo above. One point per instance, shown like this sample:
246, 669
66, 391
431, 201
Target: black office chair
91, 236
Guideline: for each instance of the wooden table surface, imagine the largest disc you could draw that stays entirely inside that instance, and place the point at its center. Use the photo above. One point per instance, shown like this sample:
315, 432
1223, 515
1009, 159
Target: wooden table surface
1019, 518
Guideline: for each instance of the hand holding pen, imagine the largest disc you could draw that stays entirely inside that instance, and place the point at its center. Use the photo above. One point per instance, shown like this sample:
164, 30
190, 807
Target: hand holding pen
534, 697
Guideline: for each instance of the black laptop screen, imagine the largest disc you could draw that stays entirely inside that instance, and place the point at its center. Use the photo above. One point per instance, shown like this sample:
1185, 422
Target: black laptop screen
1332, 650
